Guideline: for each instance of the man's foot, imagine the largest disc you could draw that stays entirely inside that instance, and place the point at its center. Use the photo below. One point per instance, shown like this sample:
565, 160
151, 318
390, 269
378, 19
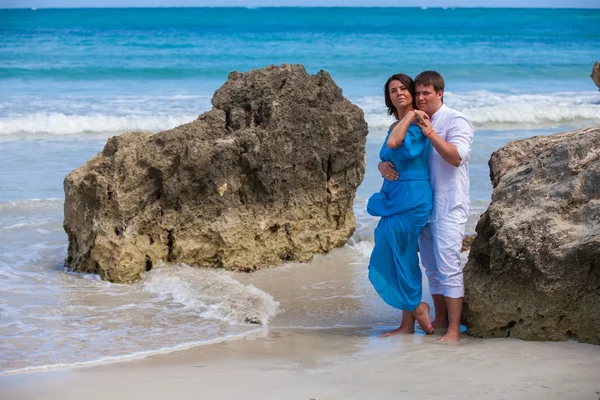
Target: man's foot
421, 314
452, 335
402, 330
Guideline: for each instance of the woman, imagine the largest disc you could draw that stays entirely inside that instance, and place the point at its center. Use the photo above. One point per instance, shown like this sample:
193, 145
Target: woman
403, 205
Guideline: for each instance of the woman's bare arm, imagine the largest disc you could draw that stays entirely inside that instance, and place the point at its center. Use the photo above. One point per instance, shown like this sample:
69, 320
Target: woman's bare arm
398, 134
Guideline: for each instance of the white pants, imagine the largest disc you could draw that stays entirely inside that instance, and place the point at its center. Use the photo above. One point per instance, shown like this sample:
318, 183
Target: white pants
439, 245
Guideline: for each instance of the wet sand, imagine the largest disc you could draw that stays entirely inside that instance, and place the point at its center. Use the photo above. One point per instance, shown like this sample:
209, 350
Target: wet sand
333, 364
295, 359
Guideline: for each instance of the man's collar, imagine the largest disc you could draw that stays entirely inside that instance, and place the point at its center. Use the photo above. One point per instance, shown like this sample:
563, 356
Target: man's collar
439, 112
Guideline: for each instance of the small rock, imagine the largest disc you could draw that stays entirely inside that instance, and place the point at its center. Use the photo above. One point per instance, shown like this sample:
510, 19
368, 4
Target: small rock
596, 74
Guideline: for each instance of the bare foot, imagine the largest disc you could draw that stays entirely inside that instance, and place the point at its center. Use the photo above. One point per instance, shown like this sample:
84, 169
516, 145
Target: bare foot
402, 330
421, 314
452, 335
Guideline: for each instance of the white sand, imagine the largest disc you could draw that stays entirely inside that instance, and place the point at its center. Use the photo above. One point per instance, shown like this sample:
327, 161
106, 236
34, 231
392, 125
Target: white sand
333, 364
342, 363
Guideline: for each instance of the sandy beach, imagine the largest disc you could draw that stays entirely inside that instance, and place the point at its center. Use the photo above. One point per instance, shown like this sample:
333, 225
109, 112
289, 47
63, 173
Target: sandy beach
333, 364
304, 362
73, 78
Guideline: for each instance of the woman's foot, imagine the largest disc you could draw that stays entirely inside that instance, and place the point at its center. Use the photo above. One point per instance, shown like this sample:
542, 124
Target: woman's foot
402, 330
407, 327
421, 314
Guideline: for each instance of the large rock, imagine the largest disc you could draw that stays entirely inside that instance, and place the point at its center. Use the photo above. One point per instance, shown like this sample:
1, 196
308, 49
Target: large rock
268, 175
534, 268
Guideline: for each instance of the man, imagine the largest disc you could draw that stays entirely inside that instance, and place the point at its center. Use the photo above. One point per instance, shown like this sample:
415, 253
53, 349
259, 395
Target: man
450, 134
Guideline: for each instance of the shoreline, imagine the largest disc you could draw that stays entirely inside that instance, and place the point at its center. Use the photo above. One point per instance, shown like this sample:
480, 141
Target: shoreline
109, 360
334, 364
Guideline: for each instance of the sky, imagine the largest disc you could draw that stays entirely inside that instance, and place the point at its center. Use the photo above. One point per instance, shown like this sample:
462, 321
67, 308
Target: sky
293, 3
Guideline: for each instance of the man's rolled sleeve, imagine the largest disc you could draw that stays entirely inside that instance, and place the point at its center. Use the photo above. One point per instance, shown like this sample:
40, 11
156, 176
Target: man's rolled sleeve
461, 135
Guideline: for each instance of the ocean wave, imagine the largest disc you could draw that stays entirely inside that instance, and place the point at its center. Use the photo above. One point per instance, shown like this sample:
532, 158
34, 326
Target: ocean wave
212, 294
504, 110
362, 247
130, 357
31, 205
175, 308
61, 124
487, 110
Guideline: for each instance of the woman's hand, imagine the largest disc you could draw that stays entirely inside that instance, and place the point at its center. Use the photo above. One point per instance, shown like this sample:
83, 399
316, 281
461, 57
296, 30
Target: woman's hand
422, 120
387, 170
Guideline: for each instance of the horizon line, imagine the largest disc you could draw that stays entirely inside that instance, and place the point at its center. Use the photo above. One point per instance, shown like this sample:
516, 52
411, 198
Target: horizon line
299, 6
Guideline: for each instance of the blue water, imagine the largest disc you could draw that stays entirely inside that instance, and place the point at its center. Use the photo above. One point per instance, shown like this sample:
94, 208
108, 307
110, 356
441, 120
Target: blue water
503, 49
71, 78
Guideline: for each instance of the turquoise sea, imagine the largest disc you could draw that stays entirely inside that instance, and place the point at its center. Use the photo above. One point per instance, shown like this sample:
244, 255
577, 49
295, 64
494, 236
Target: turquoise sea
71, 78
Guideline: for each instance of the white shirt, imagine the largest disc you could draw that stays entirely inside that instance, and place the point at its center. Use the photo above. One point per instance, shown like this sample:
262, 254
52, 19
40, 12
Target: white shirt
450, 184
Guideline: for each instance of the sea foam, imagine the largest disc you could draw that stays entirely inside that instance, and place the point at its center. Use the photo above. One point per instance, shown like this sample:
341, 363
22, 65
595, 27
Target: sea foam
62, 124
212, 294
505, 111
172, 308
487, 110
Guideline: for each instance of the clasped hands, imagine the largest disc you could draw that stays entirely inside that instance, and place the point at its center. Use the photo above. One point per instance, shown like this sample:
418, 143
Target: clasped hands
386, 168
422, 121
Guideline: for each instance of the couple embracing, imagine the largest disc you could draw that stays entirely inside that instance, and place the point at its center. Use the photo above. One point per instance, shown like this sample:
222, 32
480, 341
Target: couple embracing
423, 204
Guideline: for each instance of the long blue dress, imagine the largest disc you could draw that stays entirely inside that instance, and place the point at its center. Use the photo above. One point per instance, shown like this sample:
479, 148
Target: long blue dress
404, 206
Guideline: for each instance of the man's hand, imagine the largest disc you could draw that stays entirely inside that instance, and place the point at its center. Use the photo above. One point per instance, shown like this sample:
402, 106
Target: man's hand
387, 170
422, 120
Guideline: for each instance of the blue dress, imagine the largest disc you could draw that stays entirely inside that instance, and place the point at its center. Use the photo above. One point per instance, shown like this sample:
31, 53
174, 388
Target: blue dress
404, 206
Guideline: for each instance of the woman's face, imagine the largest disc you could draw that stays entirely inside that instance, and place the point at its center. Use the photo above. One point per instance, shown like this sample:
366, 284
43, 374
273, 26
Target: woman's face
399, 94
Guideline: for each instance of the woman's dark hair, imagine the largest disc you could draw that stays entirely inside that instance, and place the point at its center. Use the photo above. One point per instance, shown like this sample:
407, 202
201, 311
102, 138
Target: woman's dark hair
407, 82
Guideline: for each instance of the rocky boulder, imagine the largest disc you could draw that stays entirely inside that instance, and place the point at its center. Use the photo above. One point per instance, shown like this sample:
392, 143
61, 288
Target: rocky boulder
534, 268
596, 74
268, 175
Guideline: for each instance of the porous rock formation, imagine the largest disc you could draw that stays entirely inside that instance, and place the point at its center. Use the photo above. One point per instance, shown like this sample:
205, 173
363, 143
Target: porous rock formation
268, 175
534, 268
595, 75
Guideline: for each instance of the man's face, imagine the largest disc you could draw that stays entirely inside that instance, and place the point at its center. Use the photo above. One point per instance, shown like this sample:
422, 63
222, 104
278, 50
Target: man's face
427, 99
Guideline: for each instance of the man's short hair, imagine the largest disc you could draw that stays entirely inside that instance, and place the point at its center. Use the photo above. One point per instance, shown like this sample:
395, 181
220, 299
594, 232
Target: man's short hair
431, 78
